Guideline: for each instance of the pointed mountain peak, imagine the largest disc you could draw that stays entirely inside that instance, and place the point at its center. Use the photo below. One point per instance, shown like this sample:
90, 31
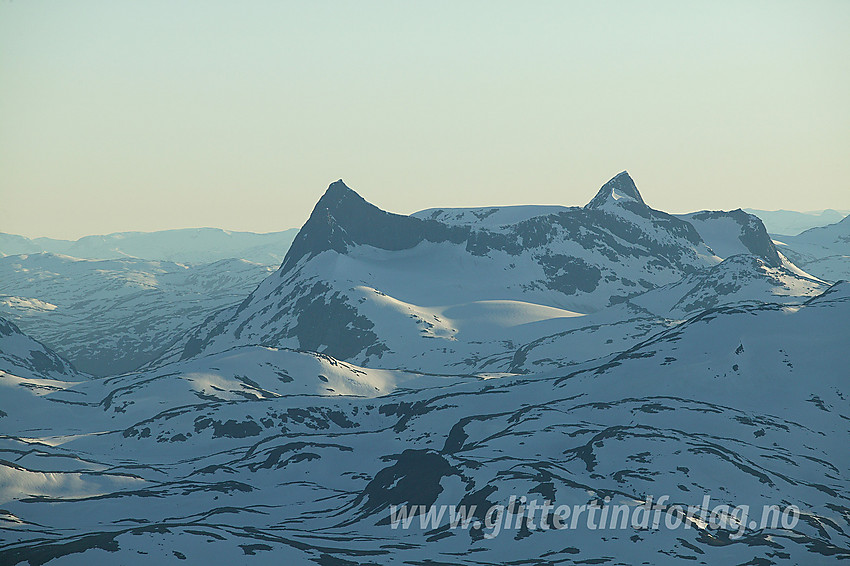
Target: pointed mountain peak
621, 188
340, 211
339, 195
342, 218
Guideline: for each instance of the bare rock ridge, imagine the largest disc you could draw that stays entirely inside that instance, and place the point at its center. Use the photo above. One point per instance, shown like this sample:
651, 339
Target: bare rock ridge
342, 218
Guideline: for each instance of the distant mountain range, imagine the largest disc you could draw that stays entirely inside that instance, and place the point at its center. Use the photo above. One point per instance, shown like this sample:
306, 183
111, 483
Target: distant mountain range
793, 222
189, 245
111, 303
111, 316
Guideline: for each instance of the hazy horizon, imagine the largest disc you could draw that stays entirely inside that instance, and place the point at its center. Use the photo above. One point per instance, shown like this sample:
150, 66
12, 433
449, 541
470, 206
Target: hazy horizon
151, 116
199, 227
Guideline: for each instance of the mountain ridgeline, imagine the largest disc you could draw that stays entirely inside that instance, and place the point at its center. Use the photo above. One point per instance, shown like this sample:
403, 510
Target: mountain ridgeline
451, 359
342, 218
354, 271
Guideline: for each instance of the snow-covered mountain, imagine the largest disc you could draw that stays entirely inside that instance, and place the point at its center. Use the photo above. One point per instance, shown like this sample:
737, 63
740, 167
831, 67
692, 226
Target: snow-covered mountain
608, 354
824, 251
792, 222
189, 245
459, 291
110, 316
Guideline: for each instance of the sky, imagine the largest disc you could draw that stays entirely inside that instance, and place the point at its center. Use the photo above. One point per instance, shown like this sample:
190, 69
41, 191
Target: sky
150, 115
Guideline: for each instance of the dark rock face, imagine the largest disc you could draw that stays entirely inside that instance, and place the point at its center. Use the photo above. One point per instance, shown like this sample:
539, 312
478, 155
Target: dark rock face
8, 328
313, 313
327, 323
623, 184
413, 479
571, 274
342, 218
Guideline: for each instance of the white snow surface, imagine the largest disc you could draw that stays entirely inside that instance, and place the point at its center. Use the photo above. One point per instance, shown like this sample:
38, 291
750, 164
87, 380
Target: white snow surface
492, 217
746, 404
690, 366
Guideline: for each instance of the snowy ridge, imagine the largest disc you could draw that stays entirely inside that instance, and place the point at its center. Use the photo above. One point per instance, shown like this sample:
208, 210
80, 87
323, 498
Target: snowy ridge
740, 278
824, 251
24, 356
492, 217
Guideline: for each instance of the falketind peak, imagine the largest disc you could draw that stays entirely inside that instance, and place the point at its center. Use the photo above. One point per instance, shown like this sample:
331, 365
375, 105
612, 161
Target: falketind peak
342, 217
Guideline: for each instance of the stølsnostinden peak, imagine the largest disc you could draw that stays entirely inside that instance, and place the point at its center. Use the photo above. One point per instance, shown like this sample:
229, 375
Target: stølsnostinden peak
621, 188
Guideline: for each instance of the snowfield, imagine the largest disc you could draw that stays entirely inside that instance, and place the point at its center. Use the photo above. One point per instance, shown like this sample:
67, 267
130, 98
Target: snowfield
610, 354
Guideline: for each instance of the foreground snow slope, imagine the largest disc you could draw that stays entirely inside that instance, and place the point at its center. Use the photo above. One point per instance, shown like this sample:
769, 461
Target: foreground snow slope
746, 404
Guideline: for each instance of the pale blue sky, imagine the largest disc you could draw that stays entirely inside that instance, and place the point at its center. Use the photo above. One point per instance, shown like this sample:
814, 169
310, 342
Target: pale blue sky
150, 115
